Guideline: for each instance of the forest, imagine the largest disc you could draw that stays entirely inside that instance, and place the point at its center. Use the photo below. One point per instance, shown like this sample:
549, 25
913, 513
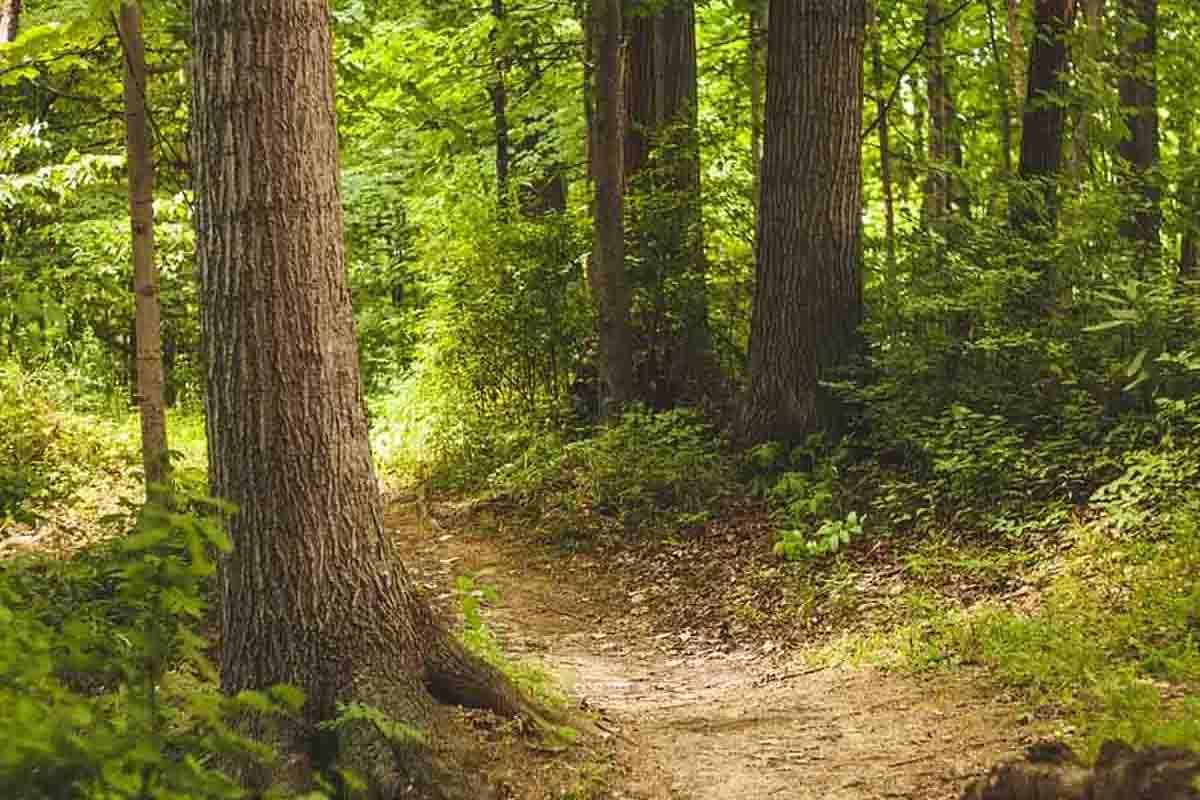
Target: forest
581, 399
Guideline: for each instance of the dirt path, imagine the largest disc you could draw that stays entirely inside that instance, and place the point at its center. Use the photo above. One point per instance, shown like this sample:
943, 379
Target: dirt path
706, 723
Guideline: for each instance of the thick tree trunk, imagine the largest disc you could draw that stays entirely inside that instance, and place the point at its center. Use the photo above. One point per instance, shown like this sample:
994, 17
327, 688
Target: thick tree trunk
1035, 203
1138, 88
312, 594
662, 169
610, 284
10, 20
147, 313
808, 297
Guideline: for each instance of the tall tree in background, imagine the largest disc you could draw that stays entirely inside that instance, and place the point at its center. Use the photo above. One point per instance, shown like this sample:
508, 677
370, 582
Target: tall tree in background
314, 594
662, 172
1035, 202
937, 92
756, 61
147, 313
608, 278
10, 20
1138, 89
808, 296
883, 125
499, 93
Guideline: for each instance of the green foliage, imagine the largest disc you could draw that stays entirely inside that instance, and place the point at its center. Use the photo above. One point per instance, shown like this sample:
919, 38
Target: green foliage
105, 687
1112, 642
647, 472
46, 451
833, 535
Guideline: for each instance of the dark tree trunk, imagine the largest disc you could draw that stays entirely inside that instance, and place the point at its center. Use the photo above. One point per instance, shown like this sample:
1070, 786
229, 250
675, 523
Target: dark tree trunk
147, 313
1138, 88
313, 593
1035, 203
499, 93
808, 297
10, 20
662, 168
610, 284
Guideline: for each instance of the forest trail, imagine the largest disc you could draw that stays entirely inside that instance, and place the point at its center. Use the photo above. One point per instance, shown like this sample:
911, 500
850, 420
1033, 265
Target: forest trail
704, 723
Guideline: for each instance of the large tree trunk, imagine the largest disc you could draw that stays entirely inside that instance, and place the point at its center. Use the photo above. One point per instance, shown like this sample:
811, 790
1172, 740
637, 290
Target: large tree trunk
147, 313
808, 297
313, 593
1138, 88
662, 170
10, 20
1035, 204
610, 284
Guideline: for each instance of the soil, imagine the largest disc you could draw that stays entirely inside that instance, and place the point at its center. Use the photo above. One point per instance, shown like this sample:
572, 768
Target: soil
692, 714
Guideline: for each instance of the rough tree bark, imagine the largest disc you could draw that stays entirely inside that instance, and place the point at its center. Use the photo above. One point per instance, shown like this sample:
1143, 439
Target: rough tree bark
313, 593
662, 172
1032, 206
808, 297
1138, 89
147, 312
609, 282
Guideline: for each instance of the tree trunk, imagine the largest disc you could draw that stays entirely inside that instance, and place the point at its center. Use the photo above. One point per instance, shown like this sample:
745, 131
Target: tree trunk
147, 313
313, 593
10, 20
808, 297
1138, 88
885, 157
1035, 203
499, 93
662, 170
610, 284
937, 180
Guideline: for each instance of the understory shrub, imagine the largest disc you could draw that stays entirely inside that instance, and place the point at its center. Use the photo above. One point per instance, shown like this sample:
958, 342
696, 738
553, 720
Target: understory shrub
105, 688
646, 472
45, 452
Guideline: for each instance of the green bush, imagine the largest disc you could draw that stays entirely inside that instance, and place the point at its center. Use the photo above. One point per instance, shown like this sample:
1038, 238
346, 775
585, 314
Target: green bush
44, 452
648, 471
105, 688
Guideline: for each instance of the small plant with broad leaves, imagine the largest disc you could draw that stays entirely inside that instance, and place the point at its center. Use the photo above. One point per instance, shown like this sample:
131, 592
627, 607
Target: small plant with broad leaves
106, 691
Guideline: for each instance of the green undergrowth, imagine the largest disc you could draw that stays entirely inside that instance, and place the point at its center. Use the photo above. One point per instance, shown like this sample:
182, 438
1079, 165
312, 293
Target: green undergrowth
1103, 637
